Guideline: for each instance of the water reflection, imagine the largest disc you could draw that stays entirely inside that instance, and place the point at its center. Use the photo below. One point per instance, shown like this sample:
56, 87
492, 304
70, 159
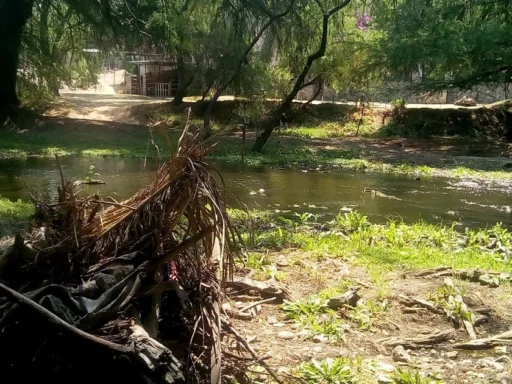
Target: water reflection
321, 193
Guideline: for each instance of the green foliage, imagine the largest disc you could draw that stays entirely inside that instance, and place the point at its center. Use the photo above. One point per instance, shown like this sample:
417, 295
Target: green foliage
14, 216
315, 317
401, 376
456, 43
332, 371
367, 312
351, 221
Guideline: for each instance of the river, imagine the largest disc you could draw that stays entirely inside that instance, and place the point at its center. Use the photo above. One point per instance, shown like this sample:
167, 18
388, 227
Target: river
468, 203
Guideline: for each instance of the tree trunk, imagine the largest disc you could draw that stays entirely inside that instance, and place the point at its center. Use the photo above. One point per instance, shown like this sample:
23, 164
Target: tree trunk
13, 17
183, 82
207, 128
286, 103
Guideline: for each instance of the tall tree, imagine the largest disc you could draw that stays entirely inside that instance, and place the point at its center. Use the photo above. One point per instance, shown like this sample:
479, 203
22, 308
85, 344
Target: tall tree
300, 81
457, 43
14, 14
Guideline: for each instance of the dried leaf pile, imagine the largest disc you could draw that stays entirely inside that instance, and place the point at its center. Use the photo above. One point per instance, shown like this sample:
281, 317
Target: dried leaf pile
107, 291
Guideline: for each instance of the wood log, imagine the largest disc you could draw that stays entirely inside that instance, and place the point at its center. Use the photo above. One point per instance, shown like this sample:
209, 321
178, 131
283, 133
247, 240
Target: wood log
414, 301
504, 338
155, 357
264, 289
418, 342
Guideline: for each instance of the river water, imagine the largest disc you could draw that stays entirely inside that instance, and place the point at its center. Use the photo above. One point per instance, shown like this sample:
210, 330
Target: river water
469, 203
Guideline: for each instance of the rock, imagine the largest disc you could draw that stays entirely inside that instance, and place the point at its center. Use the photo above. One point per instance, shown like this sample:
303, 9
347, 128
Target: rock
279, 325
320, 339
471, 373
450, 366
384, 379
466, 362
425, 360
385, 367
399, 354
481, 375
491, 363
433, 352
503, 378
282, 262
317, 349
452, 354
465, 101
286, 335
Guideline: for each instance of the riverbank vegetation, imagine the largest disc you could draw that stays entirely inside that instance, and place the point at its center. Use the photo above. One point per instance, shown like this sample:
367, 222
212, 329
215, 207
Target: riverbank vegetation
343, 301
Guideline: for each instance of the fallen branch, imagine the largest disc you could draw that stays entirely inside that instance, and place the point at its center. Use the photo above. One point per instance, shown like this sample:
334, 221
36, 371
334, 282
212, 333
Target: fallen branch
88, 182
154, 356
475, 276
246, 345
264, 289
414, 301
252, 305
418, 342
504, 338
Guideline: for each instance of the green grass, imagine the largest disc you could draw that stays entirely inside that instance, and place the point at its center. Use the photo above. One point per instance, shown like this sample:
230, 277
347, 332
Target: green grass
14, 216
395, 246
78, 141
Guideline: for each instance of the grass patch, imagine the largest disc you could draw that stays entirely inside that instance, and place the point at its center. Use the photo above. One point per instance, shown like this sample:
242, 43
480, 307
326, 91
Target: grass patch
77, 140
14, 216
394, 246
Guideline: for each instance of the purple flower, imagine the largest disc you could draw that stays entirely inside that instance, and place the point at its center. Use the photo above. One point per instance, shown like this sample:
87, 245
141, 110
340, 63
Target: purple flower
173, 272
363, 20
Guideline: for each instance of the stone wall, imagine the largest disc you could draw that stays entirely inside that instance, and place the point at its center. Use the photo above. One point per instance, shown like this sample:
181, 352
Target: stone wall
394, 90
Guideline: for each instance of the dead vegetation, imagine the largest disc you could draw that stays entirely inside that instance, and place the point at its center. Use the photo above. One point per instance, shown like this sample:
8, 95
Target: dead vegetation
107, 291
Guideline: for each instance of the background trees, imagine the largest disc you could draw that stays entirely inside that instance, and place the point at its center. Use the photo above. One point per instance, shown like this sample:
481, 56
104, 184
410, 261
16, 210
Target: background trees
241, 46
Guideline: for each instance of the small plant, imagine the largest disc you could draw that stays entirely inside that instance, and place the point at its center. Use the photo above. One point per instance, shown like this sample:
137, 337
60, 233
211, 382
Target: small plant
366, 312
91, 173
398, 103
314, 316
306, 217
257, 260
329, 371
269, 272
401, 376
352, 221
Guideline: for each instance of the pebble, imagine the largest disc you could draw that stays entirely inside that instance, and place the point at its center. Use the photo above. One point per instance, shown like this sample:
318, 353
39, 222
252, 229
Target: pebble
279, 325
449, 366
433, 352
452, 354
425, 360
317, 349
490, 363
466, 362
503, 378
286, 335
400, 355
384, 379
385, 367
471, 373
320, 339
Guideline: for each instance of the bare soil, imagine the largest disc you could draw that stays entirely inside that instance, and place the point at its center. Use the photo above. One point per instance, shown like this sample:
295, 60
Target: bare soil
399, 321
